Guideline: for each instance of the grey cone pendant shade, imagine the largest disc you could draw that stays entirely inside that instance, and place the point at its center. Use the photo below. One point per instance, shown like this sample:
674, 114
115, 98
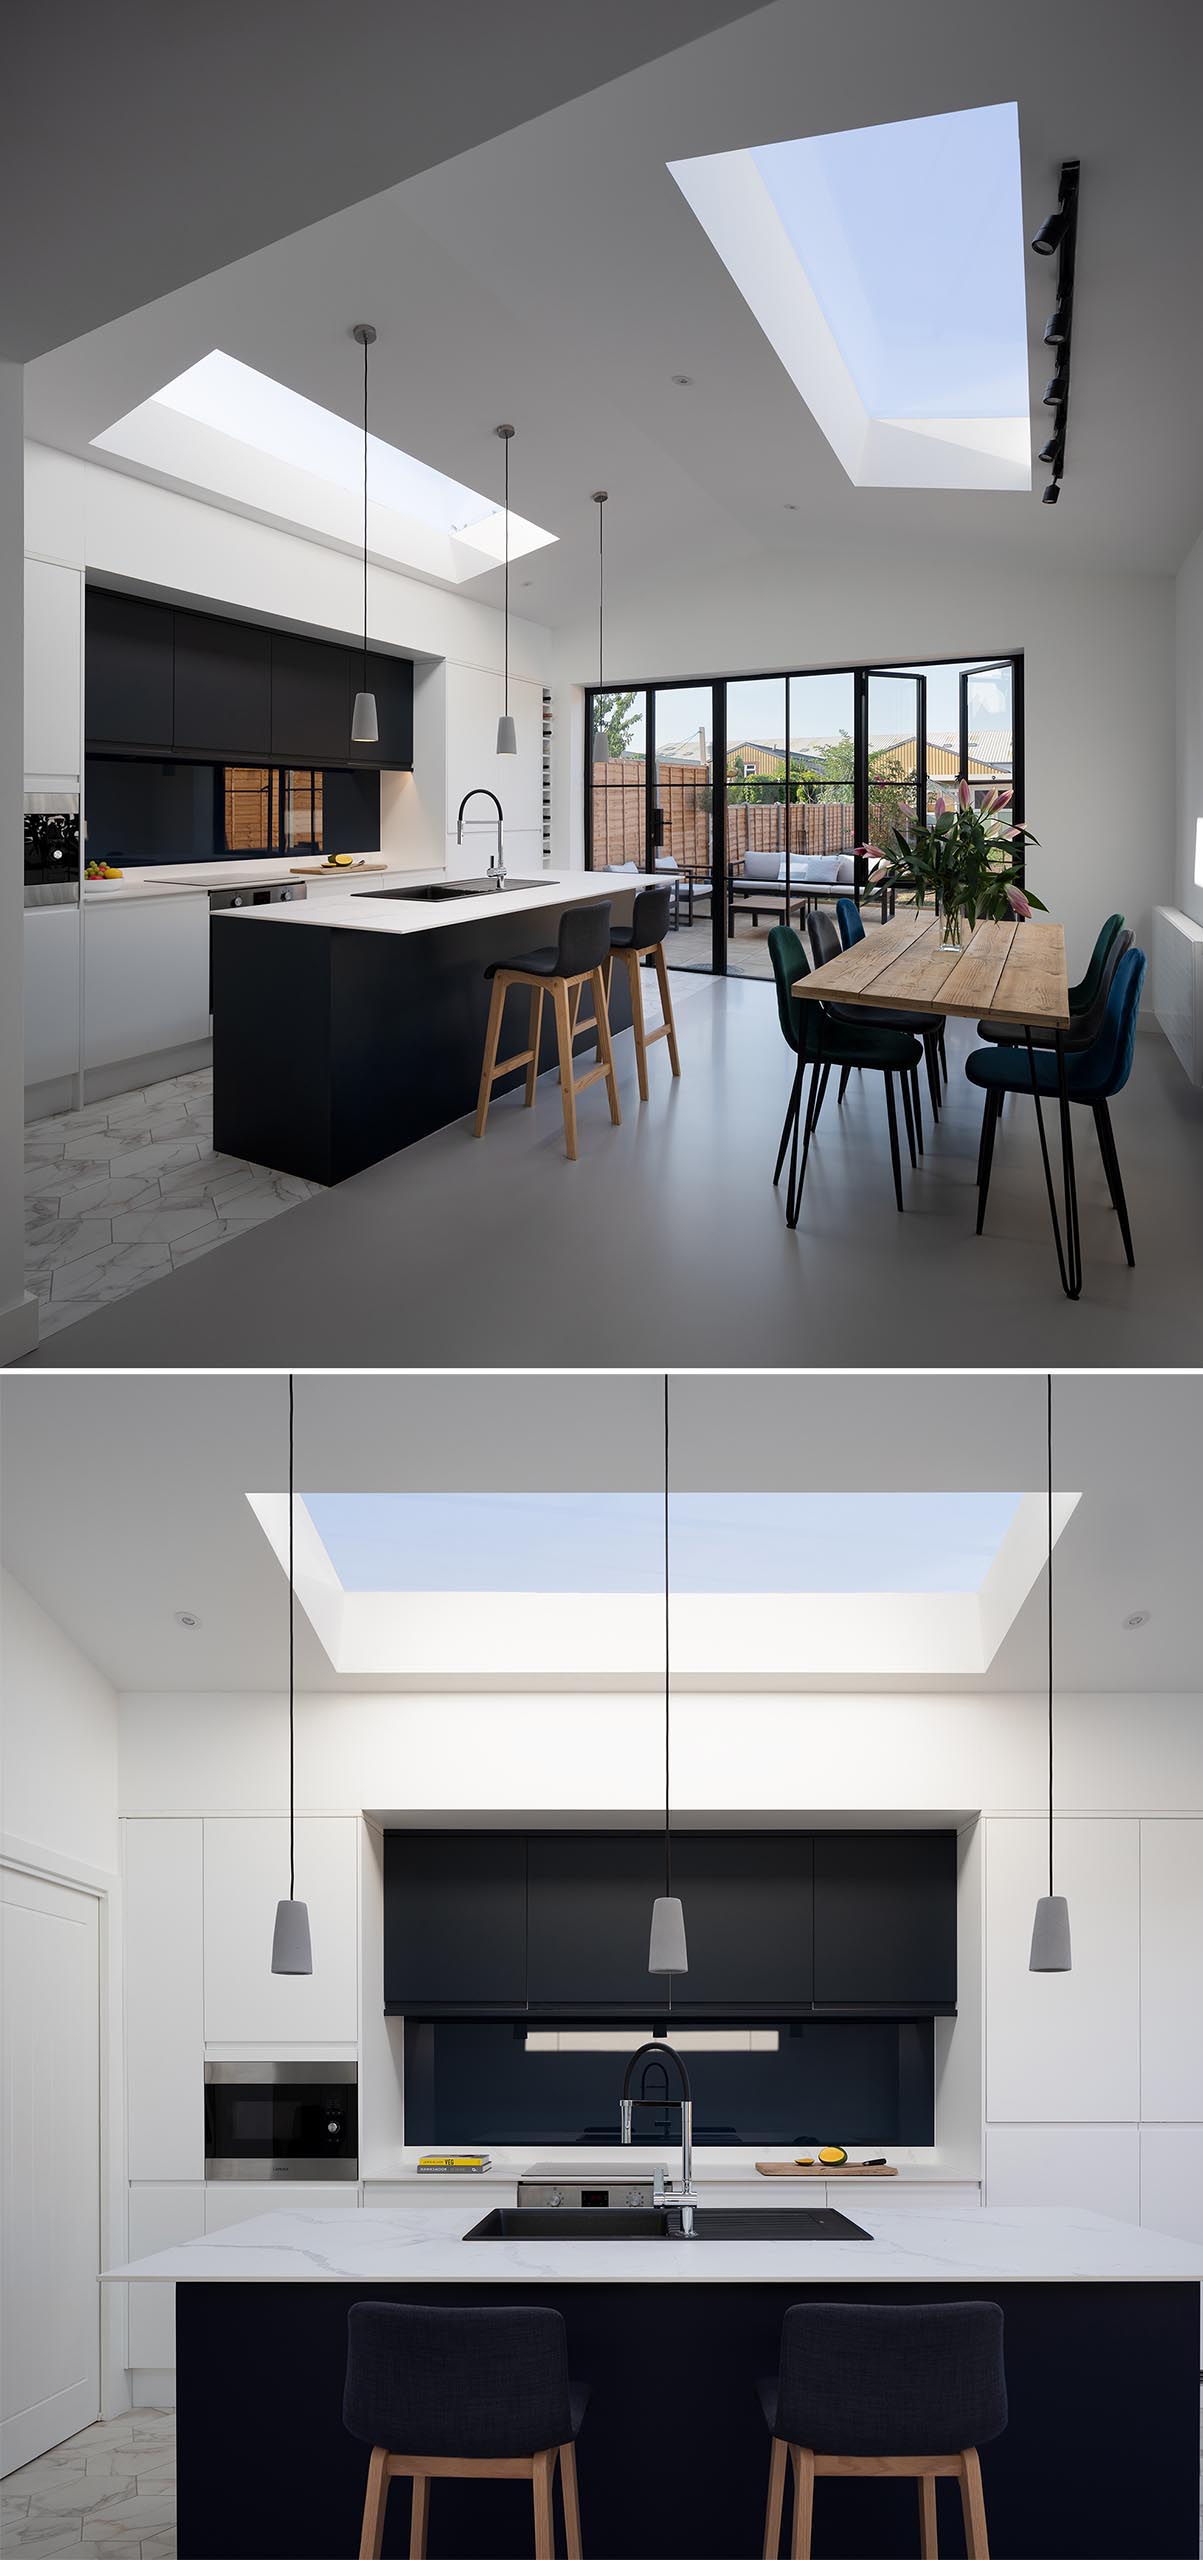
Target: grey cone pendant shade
1050, 1929
667, 1950
601, 738
507, 741
364, 731
291, 1948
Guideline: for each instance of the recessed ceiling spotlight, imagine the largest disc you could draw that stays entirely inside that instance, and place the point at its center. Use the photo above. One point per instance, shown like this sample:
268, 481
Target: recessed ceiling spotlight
683, 380
791, 506
1138, 1618
186, 1618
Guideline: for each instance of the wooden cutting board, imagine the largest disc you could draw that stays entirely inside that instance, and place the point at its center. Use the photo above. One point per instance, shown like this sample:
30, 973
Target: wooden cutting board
847, 2169
331, 870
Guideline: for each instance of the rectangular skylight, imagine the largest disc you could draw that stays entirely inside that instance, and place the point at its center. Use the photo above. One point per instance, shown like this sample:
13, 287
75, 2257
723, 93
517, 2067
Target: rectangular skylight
721, 1542
886, 267
217, 424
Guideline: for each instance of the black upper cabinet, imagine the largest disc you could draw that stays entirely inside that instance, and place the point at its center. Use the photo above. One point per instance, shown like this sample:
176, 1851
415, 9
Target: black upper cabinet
128, 672
392, 682
311, 715
454, 1920
590, 1900
222, 688
748, 1910
885, 1918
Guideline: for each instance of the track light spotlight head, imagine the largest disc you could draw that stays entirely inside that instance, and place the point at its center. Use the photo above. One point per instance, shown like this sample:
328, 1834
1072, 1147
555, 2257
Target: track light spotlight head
1056, 327
1055, 388
1054, 447
1050, 495
1051, 234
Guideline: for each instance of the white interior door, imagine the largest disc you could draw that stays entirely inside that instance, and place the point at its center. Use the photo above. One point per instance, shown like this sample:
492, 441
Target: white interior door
49, 2164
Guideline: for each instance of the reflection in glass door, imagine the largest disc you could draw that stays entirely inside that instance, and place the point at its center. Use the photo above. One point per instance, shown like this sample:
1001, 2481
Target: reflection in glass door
619, 781
896, 754
681, 817
987, 728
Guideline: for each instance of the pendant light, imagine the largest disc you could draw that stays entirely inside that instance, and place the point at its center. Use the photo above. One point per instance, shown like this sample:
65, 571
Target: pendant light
1050, 1929
601, 737
667, 1952
507, 743
364, 730
291, 1949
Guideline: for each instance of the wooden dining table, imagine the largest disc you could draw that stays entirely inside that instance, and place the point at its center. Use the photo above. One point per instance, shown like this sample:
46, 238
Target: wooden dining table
1013, 973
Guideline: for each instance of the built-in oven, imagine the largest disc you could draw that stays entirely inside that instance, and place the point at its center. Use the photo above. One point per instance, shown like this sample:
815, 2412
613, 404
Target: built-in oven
281, 2120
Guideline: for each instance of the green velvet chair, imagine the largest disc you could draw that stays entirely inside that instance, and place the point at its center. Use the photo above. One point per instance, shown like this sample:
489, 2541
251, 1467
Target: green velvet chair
820, 1043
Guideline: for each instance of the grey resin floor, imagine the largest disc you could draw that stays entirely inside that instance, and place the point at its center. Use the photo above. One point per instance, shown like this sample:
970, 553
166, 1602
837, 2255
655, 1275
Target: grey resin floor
111, 2488
666, 1245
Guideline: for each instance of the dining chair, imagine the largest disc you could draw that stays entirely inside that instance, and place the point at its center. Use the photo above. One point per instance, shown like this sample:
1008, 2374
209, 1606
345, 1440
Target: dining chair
825, 945
1087, 1000
821, 1044
852, 929
1093, 1076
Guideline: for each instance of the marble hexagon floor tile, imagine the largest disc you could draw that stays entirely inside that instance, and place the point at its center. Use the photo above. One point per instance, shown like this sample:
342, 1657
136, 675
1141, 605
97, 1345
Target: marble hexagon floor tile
128, 1189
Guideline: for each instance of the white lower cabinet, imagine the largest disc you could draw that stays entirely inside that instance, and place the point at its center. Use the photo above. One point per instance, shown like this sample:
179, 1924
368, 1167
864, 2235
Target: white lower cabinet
226, 2204
1063, 2048
917, 2196
51, 1001
1093, 2165
1171, 1954
160, 2217
1171, 2179
246, 1872
164, 1999
146, 975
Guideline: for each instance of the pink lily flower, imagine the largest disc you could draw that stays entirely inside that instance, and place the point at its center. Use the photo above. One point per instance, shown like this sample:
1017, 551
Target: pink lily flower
941, 808
1009, 834
963, 794
1001, 798
1019, 906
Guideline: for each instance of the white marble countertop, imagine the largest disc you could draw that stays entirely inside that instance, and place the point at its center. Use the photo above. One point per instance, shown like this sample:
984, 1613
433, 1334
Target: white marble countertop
716, 2166
998, 2244
359, 913
246, 871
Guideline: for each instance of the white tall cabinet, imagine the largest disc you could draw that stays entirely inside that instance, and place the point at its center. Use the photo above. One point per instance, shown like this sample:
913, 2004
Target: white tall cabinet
246, 1873
54, 607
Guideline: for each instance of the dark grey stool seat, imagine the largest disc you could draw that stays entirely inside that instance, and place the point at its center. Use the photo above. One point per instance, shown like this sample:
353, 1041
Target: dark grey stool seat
462, 2394
581, 954
631, 944
885, 2390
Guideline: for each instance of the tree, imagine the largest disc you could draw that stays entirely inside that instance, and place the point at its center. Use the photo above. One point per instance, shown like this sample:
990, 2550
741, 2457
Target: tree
613, 714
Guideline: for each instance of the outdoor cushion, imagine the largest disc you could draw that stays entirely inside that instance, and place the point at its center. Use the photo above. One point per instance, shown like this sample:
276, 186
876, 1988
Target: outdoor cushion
818, 866
762, 866
846, 870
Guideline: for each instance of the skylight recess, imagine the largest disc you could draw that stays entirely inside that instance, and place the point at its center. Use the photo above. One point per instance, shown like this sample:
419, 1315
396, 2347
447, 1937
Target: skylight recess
886, 267
221, 422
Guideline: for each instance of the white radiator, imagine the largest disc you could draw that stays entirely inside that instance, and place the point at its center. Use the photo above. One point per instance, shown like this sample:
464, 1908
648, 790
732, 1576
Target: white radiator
1178, 985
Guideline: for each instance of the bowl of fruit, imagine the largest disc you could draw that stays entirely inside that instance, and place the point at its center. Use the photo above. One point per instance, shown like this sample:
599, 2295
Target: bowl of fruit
102, 871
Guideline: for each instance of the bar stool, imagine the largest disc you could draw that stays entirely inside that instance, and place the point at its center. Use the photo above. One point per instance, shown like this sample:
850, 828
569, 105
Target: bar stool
643, 939
462, 2395
905, 2392
581, 951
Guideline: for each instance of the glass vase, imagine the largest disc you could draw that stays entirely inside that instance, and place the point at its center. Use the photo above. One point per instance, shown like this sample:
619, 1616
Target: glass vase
952, 929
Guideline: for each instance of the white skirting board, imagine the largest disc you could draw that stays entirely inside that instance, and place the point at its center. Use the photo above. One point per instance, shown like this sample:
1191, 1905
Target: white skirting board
1178, 985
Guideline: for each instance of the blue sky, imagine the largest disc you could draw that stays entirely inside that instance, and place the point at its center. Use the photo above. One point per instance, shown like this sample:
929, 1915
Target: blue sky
614, 1542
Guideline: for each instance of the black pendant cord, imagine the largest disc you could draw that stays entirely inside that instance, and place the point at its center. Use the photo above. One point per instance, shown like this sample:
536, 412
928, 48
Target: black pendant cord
365, 515
601, 593
1050, 1634
507, 574
292, 1628
668, 1850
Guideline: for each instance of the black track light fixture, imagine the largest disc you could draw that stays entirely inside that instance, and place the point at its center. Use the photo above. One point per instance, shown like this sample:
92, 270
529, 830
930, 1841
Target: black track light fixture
1050, 495
1048, 239
1056, 389
1056, 327
1053, 450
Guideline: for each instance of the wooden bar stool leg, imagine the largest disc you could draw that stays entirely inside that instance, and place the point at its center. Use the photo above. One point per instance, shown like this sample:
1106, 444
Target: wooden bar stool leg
535, 1034
375, 2501
973, 2506
804, 2499
492, 1045
637, 1022
568, 2492
928, 2545
419, 2517
541, 2466
772, 2513
606, 1046
608, 977
567, 1072
666, 1001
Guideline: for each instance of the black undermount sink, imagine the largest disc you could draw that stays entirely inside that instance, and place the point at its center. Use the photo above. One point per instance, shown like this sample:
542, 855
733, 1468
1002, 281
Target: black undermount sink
433, 892
657, 2222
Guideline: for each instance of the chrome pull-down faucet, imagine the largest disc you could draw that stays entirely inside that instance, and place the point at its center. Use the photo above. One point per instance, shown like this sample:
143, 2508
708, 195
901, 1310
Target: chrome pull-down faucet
497, 860
685, 2198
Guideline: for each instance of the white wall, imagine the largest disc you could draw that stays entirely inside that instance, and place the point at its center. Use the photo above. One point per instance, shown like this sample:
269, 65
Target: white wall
1099, 725
115, 525
1188, 892
58, 1740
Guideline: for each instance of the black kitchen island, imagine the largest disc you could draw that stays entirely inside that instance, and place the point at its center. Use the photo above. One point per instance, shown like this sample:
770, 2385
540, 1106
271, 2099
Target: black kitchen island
345, 1028
1099, 2460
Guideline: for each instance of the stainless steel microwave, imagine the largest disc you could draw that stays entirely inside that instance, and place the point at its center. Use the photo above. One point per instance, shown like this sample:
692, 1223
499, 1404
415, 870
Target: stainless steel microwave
281, 2120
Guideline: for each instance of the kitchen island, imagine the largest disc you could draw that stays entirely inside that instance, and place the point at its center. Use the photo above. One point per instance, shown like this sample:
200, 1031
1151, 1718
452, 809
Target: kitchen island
346, 1027
1099, 2461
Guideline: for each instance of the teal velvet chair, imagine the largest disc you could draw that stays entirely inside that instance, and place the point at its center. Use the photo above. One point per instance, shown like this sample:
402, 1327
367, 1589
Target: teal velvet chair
1083, 998
820, 1043
1094, 1076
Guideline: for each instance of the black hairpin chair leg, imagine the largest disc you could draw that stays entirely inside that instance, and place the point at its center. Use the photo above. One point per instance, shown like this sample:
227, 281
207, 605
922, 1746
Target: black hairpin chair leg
892, 1115
1110, 1155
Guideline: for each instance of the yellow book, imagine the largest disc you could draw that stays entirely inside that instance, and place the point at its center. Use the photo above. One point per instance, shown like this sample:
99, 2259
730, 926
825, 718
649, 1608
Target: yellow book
447, 2163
